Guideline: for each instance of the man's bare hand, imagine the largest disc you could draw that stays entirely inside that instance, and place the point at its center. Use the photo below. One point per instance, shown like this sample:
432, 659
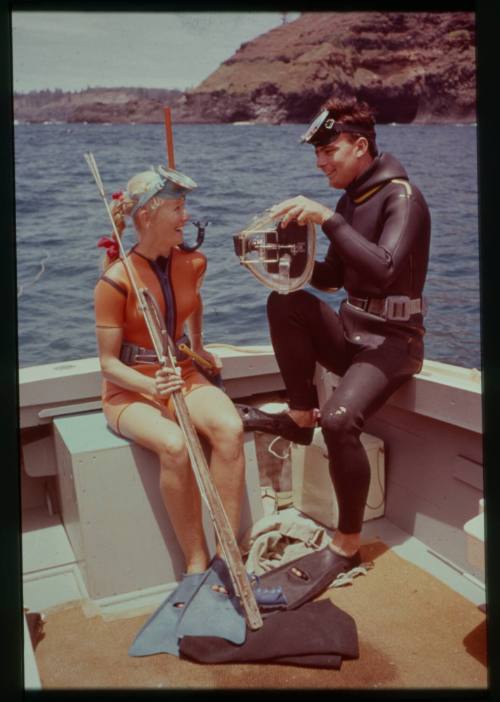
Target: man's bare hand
302, 209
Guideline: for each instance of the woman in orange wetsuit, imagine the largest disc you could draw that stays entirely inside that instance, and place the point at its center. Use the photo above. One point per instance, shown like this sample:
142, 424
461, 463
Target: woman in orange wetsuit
136, 392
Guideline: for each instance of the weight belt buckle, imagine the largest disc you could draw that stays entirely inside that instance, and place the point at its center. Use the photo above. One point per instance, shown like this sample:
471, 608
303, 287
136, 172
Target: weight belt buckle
127, 354
397, 308
130, 354
144, 356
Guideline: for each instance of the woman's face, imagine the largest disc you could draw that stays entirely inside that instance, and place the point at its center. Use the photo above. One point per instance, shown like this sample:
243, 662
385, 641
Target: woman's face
168, 220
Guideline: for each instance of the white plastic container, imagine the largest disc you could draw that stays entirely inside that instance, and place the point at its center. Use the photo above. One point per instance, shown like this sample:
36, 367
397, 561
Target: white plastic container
313, 492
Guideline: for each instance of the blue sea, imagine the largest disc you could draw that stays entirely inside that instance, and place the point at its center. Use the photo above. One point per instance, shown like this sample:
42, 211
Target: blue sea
240, 170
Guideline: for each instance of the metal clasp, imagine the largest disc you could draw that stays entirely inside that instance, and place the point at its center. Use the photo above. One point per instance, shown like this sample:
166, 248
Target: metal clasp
127, 354
397, 308
148, 359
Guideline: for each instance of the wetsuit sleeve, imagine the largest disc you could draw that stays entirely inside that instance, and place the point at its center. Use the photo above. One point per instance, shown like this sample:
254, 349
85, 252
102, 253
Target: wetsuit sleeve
328, 274
381, 261
110, 304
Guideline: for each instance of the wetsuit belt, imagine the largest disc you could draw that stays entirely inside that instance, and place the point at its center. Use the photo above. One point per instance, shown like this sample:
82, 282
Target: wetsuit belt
393, 307
131, 354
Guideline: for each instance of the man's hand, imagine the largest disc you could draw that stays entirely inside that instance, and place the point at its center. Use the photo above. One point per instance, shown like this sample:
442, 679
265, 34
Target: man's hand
302, 209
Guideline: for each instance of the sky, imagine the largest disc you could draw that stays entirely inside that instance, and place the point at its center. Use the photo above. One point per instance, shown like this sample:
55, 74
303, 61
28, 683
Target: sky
76, 50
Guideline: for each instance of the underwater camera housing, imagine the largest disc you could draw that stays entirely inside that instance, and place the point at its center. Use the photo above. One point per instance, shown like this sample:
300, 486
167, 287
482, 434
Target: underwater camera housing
282, 258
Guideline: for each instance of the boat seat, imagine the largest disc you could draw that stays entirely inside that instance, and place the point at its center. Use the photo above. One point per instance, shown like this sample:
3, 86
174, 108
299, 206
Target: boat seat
113, 512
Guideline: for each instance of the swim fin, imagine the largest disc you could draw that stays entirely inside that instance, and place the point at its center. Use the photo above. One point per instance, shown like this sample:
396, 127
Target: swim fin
304, 578
158, 634
213, 611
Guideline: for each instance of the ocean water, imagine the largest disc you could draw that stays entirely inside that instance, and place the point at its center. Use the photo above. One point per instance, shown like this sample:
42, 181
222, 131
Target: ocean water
240, 170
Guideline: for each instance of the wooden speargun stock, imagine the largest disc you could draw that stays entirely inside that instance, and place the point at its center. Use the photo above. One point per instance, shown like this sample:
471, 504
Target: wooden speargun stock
165, 352
196, 357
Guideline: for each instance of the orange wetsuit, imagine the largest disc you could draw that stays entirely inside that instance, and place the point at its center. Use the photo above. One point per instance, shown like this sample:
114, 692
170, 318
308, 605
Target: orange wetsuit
116, 306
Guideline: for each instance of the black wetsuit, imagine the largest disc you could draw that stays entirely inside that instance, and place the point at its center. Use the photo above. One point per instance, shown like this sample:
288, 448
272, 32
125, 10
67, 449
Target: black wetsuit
379, 246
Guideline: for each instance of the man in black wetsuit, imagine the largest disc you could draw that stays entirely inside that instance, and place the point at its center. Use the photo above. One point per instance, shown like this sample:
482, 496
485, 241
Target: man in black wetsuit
379, 245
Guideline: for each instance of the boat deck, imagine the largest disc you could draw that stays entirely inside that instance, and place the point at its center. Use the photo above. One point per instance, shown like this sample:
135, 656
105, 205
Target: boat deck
420, 625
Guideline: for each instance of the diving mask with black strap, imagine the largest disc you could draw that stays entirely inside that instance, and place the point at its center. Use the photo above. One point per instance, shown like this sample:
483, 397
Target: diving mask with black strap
171, 184
325, 128
167, 184
282, 258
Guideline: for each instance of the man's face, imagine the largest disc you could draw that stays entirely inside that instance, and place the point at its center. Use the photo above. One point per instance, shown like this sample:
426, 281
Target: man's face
341, 160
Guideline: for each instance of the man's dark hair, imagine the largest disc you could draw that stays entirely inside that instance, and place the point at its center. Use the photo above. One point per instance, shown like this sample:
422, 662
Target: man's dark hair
351, 111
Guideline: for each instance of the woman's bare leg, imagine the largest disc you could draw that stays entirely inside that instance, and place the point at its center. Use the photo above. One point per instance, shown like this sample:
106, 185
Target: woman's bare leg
147, 426
215, 416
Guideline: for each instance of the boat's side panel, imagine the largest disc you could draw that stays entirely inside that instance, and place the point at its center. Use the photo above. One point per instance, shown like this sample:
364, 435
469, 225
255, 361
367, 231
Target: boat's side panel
434, 480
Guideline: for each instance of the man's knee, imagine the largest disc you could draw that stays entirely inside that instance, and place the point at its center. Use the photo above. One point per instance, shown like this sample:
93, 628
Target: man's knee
340, 424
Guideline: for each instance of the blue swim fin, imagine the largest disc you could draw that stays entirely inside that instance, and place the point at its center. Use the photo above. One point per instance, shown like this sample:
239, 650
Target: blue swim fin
158, 634
212, 613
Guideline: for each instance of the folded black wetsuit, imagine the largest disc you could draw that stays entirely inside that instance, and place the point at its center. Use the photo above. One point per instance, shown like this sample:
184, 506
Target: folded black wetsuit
318, 634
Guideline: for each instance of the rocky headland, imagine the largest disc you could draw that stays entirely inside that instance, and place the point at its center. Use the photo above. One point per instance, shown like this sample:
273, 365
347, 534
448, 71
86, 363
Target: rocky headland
411, 67
116, 105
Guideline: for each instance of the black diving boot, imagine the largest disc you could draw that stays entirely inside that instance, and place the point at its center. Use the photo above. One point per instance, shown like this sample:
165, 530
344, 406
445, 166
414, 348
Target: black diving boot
279, 423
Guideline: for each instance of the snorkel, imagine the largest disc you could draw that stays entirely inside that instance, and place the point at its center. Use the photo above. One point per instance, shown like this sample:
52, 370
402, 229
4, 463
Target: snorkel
170, 184
169, 139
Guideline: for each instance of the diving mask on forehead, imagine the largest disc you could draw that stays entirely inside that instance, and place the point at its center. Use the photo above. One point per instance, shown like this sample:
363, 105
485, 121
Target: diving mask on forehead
167, 184
282, 258
325, 129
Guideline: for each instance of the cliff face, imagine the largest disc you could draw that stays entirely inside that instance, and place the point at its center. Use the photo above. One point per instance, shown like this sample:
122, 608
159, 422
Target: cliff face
409, 66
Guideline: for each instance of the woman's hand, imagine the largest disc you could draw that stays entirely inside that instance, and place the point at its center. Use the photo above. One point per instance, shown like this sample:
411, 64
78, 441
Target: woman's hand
167, 381
302, 209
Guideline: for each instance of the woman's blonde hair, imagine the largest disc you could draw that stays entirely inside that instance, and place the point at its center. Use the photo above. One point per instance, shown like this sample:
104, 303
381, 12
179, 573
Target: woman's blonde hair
123, 204
140, 184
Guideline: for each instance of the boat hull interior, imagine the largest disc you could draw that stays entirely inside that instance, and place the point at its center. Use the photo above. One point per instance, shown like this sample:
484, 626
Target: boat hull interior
95, 531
